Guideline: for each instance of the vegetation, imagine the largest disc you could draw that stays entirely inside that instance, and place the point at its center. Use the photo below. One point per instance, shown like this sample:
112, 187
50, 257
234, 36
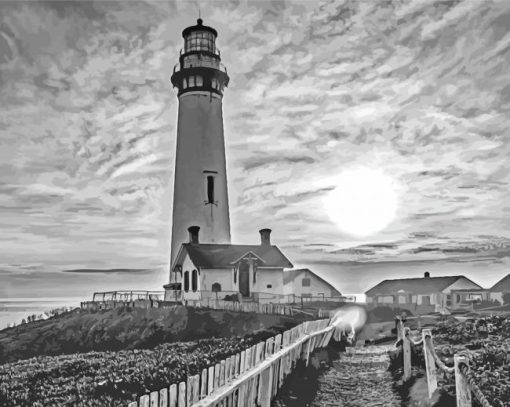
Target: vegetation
111, 378
82, 331
108, 358
486, 342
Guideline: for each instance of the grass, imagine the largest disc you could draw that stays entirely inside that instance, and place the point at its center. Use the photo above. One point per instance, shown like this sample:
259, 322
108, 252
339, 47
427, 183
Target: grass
81, 331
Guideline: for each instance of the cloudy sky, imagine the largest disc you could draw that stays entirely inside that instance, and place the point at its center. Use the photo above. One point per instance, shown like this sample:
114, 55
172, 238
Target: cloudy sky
401, 105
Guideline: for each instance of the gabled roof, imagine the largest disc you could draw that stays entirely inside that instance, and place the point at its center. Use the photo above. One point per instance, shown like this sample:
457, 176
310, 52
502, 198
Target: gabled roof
422, 285
290, 275
249, 254
502, 285
223, 255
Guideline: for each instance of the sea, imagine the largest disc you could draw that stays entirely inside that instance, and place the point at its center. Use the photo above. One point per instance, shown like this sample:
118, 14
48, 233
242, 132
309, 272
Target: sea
14, 310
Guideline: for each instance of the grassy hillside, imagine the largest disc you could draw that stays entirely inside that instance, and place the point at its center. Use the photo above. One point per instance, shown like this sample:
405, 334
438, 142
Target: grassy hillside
80, 331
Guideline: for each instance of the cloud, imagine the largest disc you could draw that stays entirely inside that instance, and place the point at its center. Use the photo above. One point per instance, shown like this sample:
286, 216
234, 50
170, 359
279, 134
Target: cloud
417, 90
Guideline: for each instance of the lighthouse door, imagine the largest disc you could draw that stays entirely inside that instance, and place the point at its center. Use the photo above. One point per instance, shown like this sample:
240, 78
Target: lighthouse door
244, 279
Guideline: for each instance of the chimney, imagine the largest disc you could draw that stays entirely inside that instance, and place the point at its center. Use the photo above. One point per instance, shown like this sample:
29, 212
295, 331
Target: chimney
265, 237
193, 234
426, 275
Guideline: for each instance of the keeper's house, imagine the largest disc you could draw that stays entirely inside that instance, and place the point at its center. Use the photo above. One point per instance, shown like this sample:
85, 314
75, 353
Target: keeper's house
499, 289
244, 272
426, 294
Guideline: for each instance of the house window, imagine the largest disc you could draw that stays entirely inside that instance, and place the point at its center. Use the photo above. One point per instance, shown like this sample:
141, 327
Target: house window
269, 286
306, 282
235, 275
448, 300
186, 281
385, 299
425, 299
254, 275
194, 280
216, 287
306, 295
210, 189
402, 299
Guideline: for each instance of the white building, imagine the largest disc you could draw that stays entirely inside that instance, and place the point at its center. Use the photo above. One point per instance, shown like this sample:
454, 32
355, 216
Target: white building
426, 294
500, 288
212, 267
248, 272
306, 284
200, 184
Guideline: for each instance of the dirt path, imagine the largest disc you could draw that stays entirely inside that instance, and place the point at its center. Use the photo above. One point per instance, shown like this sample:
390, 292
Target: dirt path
359, 378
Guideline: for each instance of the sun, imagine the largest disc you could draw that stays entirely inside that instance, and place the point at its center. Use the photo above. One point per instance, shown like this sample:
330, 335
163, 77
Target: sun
364, 201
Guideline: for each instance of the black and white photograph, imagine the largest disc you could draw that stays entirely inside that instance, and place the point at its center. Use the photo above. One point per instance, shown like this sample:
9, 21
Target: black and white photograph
255, 203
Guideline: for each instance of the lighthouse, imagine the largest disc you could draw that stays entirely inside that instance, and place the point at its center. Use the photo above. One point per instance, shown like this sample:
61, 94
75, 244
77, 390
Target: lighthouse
200, 183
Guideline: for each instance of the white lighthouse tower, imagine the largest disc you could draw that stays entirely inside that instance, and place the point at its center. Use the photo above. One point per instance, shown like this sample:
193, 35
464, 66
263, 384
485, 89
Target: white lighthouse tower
200, 187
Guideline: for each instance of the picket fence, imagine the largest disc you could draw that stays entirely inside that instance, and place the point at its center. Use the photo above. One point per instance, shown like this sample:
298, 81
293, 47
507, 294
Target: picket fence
465, 382
260, 308
242, 306
249, 378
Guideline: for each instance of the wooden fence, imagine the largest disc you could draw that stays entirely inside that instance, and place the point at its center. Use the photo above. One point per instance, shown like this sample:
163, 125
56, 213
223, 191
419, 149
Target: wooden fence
249, 378
465, 382
257, 307
278, 309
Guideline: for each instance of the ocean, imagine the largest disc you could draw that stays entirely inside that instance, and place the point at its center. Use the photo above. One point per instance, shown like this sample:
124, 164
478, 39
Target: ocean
14, 310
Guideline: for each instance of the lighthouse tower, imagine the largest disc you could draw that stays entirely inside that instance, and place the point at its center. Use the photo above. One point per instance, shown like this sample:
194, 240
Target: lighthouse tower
200, 187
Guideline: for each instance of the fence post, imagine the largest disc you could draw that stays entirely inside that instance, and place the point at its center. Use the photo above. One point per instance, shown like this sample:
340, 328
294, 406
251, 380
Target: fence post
461, 384
265, 387
430, 363
400, 330
406, 352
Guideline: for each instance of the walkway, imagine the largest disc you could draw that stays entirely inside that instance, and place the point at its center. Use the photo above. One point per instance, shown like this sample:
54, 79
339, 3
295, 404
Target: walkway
357, 378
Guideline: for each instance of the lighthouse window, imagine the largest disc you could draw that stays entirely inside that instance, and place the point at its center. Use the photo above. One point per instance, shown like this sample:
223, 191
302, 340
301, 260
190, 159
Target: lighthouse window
200, 41
199, 81
184, 83
214, 83
210, 189
191, 81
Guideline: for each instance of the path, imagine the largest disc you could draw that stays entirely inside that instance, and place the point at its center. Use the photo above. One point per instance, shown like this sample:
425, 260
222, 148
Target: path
356, 378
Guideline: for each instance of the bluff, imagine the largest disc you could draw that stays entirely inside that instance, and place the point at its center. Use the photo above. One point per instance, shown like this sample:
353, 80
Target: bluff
79, 331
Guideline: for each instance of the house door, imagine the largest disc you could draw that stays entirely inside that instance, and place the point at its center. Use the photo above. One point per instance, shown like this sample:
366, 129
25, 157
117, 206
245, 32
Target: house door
244, 279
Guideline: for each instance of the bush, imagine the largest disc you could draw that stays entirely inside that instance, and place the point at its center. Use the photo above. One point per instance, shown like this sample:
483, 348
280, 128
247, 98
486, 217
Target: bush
231, 297
487, 342
110, 378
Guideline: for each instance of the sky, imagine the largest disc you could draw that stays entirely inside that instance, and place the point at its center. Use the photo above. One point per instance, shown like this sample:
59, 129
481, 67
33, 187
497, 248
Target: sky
403, 105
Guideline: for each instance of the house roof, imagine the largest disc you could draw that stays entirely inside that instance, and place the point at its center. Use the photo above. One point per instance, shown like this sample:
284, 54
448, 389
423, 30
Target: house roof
422, 285
224, 255
290, 275
502, 285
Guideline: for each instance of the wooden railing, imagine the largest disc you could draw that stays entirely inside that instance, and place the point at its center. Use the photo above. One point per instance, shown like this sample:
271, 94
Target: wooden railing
259, 308
125, 295
249, 378
465, 382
